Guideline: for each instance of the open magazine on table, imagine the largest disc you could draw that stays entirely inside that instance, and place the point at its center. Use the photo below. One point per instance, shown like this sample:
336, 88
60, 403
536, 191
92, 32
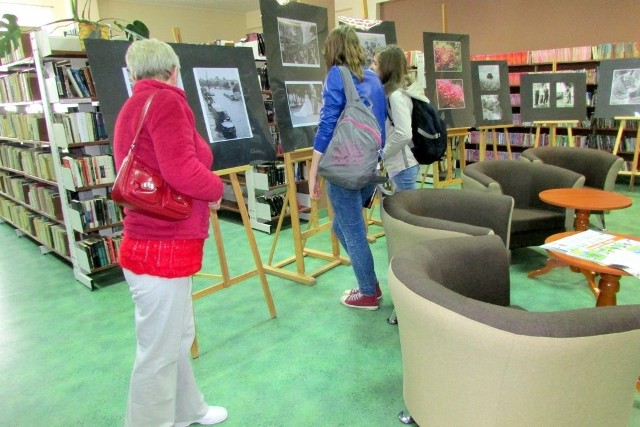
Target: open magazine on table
601, 248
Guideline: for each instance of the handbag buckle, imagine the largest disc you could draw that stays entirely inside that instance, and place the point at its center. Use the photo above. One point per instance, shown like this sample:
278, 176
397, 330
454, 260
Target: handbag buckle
147, 185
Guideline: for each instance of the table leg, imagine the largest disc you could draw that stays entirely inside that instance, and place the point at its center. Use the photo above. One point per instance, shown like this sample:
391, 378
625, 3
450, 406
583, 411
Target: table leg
609, 286
550, 265
581, 222
591, 281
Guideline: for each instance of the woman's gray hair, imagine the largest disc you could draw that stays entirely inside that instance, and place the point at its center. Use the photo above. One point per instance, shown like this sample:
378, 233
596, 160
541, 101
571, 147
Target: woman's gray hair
151, 59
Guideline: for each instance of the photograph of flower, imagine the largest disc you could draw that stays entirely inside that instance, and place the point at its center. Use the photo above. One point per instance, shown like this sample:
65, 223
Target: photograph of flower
450, 93
298, 43
489, 76
447, 55
491, 108
564, 95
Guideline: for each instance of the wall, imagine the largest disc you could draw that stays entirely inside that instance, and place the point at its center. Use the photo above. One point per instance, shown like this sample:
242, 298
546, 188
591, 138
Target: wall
254, 20
511, 25
196, 25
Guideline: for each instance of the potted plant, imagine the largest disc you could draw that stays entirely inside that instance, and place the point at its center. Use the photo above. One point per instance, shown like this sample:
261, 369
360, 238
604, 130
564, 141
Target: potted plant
10, 31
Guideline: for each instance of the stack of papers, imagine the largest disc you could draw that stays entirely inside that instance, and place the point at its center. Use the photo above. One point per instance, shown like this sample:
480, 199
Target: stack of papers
601, 248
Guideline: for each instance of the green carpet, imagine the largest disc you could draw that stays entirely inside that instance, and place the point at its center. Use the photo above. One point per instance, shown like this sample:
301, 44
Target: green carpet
66, 353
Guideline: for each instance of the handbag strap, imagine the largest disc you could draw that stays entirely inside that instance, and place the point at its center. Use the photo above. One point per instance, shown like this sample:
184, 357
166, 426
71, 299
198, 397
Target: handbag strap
141, 120
350, 91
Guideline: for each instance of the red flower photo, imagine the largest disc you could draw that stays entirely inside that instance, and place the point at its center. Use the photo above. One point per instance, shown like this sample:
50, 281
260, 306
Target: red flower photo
447, 56
450, 93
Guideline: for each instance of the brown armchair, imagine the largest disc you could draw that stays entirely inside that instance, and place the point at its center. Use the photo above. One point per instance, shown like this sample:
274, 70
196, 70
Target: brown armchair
533, 220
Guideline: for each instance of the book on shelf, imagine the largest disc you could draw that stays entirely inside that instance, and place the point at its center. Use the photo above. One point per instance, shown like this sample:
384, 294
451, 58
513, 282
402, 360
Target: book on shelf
601, 248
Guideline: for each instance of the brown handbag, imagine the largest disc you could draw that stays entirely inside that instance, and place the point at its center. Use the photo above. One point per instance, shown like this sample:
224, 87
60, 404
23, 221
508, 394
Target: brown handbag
141, 188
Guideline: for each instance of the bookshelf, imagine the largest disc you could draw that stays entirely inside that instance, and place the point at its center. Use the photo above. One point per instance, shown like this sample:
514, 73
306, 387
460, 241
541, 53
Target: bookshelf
56, 167
592, 133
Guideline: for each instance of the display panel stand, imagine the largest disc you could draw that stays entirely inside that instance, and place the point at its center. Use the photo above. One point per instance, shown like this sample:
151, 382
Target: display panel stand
300, 237
553, 127
484, 131
636, 149
226, 280
452, 135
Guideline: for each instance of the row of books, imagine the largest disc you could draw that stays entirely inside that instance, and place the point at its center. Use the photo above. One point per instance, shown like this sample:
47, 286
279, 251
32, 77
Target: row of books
74, 82
22, 51
51, 234
570, 54
87, 171
31, 161
592, 76
27, 127
19, 87
98, 211
83, 126
100, 251
39, 196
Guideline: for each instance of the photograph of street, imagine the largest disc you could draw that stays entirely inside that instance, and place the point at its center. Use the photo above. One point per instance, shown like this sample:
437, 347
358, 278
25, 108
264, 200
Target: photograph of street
370, 42
222, 102
298, 43
305, 102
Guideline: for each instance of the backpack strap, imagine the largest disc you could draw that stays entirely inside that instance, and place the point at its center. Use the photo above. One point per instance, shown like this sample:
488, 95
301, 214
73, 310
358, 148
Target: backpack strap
350, 90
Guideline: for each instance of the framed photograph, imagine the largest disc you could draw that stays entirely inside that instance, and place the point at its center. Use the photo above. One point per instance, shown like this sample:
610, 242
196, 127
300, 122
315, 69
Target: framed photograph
448, 77
553, 96
370, 43
298, 43
222, 104
305, 102
294, 35
221, 85
491, 96
618, 88
379, 35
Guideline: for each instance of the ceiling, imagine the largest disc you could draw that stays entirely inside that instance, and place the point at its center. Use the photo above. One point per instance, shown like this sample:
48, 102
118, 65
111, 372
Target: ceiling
232, 5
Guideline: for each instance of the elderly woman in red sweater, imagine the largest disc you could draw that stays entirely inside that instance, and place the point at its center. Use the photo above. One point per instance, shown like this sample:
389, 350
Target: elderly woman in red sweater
159, 257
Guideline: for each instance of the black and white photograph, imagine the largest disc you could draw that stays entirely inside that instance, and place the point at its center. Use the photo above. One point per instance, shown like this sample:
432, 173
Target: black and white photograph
491, 108
370, 42
565, 96
489, 76
298, 43
305, 102
541, 95
625, 87
491, 93
553, 96
222, 102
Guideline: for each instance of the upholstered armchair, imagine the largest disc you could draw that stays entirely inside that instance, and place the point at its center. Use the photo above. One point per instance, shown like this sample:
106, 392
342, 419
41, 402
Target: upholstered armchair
599, 168
471, 360
434, 213
533, 220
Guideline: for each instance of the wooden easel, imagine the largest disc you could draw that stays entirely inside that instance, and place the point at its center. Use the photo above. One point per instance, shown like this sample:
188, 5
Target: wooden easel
226, 280
449, 160
553, 127
369, 220
300, 237
636, 149
484, 130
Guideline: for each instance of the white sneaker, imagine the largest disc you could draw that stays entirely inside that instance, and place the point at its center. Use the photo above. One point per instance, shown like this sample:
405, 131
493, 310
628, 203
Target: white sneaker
215, 415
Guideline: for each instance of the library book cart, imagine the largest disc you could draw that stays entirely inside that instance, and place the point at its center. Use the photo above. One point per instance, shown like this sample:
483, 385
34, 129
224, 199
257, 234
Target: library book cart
56, 167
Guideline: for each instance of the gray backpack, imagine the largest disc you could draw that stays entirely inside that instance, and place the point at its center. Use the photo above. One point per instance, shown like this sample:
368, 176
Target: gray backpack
351, 159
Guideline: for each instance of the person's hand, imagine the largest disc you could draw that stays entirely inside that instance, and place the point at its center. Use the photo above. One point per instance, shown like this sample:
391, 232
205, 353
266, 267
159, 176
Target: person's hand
215, 205
314, 187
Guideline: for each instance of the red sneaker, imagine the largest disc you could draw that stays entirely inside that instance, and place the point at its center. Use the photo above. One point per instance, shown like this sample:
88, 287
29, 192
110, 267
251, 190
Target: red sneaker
356, 290
364, 302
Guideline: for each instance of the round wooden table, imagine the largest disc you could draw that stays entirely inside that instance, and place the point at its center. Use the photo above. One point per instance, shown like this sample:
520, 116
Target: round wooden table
585, 200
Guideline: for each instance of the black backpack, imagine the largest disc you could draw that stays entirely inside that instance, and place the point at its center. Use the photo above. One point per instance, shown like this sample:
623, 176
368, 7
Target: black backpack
429, 133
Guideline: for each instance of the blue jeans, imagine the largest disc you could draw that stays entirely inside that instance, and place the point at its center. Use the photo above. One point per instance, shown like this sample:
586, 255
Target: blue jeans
349, 226
406, 179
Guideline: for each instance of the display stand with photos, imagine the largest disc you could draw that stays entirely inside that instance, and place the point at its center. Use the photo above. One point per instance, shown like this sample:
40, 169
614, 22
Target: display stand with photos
493, 130
553, 126
636, 149
300, 237
226, 281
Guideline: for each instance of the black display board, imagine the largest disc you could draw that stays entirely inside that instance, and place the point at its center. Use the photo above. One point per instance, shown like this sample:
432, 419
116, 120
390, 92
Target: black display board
553, 96
491, 95
618, 88
222, 88
448, 75
377, 36
294, 36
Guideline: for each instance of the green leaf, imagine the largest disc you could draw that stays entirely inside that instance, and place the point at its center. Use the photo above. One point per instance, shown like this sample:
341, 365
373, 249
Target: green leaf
10, 33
